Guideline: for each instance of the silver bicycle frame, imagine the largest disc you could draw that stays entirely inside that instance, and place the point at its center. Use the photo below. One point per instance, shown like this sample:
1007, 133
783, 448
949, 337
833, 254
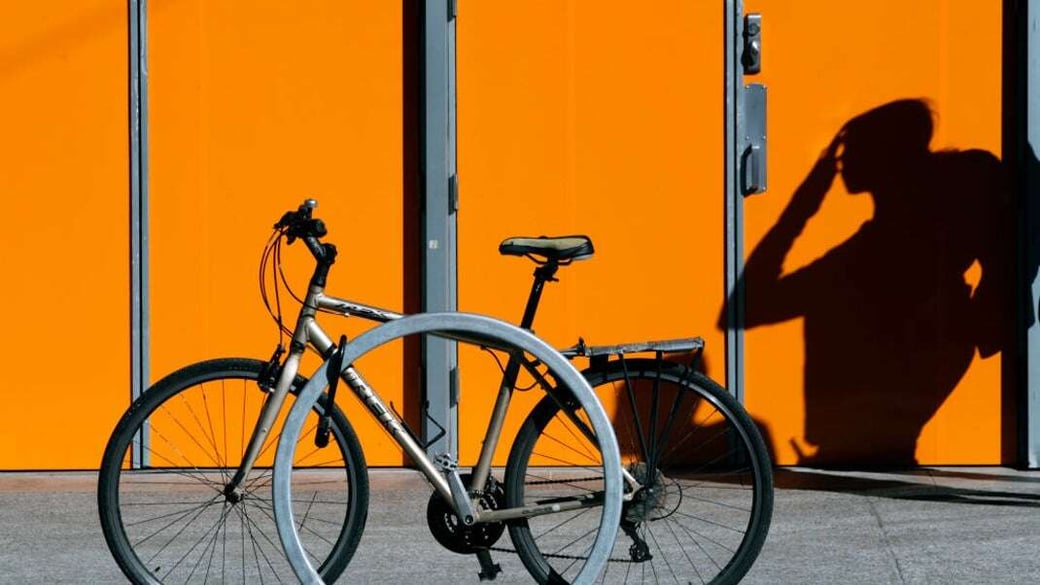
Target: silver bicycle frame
443, 475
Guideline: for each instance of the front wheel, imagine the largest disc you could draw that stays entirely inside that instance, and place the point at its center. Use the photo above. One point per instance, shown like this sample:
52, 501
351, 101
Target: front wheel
161, 497
704, 508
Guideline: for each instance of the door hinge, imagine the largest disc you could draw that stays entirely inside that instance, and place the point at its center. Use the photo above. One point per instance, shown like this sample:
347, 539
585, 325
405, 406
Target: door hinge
453, 9
453, 194
453, 388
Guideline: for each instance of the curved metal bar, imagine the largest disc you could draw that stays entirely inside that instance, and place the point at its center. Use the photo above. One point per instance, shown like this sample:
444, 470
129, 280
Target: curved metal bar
481, 327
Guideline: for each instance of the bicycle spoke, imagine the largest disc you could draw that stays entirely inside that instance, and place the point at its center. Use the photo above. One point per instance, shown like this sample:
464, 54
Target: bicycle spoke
631, 392
194, 512
212, 436
215, 525
174, 521
678, 542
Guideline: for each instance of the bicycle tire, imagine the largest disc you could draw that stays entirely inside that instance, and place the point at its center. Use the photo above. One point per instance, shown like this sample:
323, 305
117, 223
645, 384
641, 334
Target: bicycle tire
166, 519
705, 509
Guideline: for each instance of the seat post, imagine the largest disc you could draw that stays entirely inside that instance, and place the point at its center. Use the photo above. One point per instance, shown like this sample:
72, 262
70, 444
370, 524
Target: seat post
544, 273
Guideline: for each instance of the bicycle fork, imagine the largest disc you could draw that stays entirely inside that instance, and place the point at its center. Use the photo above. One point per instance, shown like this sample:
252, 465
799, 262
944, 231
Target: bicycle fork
268, 414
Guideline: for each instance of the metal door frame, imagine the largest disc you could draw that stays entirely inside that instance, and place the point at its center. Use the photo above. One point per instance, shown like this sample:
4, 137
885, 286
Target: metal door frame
439, 394
1022, 141
733, 22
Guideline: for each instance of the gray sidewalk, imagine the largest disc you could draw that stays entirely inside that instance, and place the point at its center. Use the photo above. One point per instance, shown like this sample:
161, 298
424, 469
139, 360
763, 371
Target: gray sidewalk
934, 525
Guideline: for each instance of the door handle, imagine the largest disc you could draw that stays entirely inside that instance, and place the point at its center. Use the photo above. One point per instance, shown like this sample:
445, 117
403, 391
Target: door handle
754, 170
753, 157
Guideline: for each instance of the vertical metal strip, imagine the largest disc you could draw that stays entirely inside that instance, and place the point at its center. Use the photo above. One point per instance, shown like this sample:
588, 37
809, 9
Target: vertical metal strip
734, 108
1027, 116
138, 125
439, 356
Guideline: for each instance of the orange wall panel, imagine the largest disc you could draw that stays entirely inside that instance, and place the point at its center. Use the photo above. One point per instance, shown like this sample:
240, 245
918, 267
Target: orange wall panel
592, 118
254, 107
65, 245
820, 76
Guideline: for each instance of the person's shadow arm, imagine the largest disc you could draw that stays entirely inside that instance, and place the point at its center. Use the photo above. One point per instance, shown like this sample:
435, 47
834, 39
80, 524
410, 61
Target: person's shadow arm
993, 212
778, 299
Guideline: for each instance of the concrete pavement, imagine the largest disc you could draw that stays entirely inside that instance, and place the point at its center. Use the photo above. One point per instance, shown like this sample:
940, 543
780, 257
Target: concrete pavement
928, 525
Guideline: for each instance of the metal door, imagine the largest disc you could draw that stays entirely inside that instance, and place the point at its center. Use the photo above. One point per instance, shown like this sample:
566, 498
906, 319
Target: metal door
877, 275
597, 118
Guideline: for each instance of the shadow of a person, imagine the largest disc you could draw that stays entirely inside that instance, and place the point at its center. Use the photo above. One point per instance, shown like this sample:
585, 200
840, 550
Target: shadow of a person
890, 322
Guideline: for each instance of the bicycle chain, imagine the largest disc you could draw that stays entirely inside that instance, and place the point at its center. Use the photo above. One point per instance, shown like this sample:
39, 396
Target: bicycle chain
559, 556
575, 480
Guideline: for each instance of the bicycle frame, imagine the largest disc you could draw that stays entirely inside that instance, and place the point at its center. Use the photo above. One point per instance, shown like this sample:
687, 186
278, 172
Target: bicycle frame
441, 470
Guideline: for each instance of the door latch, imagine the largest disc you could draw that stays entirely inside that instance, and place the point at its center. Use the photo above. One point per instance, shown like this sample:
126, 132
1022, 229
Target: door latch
752, 56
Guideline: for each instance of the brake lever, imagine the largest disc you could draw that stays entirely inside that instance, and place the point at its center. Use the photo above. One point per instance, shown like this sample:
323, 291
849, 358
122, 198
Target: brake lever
300, 224
286, 220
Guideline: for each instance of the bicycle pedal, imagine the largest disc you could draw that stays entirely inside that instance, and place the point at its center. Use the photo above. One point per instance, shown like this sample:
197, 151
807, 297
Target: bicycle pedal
488, 569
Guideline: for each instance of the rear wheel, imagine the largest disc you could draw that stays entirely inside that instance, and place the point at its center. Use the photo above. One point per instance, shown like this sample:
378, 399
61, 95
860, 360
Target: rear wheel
161, 498
706, 500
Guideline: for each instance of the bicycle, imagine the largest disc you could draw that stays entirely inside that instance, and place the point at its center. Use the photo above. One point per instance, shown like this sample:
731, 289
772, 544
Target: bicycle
698, 479
718, 457
183, 480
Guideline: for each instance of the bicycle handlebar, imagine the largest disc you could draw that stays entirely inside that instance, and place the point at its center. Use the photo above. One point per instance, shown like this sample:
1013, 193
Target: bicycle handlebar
300, 225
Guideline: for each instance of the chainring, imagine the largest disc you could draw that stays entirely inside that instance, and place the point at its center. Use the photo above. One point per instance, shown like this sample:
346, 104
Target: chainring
455, 536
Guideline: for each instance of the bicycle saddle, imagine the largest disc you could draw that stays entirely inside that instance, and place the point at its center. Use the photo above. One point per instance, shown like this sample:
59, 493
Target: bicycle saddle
563, 249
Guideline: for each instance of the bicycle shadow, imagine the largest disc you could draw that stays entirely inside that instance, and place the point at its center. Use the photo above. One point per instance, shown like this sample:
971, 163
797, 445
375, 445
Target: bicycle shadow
894, 315
692, 433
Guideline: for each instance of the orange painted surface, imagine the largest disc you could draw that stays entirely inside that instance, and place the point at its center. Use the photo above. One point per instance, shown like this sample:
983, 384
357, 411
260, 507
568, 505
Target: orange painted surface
65, 245
594, 118
574, 117
251, 112
826, 63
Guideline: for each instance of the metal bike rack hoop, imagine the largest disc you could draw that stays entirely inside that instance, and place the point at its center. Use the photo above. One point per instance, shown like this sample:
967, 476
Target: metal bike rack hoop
482, 327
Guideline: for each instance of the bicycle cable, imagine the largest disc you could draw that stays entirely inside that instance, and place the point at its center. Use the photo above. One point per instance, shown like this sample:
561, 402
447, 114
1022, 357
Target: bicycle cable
502, 369
270, 251
271, 267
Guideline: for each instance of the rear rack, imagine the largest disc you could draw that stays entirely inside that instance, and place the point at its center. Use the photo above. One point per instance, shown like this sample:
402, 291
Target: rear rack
684, 345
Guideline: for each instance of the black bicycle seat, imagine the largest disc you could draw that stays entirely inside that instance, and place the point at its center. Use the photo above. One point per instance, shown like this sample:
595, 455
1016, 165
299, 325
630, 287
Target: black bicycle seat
563, 249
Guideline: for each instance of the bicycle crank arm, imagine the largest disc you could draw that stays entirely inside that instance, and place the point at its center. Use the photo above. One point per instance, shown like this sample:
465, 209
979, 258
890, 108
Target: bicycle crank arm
460, 498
